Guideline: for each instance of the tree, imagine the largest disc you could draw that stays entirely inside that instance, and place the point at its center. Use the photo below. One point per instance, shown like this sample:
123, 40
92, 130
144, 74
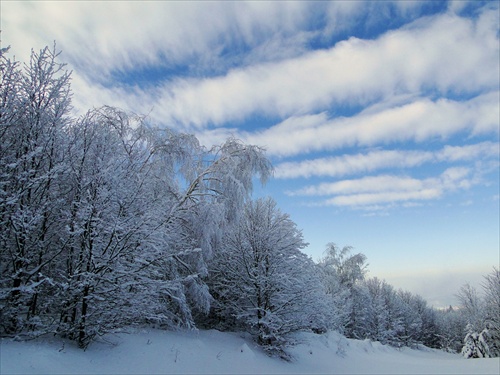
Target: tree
384, 321
145, 208
413, 309
341, 275
482, 337
491, 331
35, 103
451, 329
428, 335
260, 277
475, 345
105, 220
471, 306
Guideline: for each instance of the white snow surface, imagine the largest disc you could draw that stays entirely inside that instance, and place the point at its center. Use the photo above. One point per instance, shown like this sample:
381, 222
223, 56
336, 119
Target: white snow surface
214, 352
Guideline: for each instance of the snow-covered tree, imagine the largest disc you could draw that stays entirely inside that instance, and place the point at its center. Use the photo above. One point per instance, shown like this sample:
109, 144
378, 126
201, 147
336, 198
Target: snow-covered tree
451, 329
34, 105
339, 298
482, 336
382, 324
262, 281
428, 335
341, 274
471, 306
209, 199
145, 207
105, 220
475, 345
411, 321
492, 311
348, 268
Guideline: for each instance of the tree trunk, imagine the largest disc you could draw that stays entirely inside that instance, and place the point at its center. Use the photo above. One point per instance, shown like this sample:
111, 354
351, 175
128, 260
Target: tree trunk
82, 334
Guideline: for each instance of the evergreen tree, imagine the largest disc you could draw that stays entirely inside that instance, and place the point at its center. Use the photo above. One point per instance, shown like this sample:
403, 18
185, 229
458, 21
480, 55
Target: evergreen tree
475, 345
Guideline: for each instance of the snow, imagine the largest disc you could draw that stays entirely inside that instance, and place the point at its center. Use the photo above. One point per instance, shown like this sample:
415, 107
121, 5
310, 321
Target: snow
214, 352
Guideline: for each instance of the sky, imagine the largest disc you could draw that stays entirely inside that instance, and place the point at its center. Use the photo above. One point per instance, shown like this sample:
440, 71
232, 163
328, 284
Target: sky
381, 118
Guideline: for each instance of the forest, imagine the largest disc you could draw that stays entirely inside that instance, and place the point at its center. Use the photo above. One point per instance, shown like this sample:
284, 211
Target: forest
109, 222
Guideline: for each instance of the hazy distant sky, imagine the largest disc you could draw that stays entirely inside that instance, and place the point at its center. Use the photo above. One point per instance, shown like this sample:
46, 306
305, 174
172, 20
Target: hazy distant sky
381, 118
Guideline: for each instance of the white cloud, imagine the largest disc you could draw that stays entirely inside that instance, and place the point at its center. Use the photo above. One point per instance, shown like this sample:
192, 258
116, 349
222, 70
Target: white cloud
469, 152
386, 190
344, 15
416, 121
352, 164
445, 53
363, 185
383, 197
451, 59
456, 6
102, 36
367, 184
384, 159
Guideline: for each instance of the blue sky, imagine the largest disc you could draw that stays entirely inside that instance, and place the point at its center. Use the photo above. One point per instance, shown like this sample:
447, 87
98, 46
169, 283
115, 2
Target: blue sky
380, 117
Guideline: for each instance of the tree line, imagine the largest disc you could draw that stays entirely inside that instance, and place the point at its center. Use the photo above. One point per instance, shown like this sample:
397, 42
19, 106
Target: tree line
109, 222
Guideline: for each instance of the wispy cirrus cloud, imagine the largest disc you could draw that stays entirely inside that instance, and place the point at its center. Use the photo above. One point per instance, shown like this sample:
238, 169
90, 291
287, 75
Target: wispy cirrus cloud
152, 33
445, 53
417, 121
148, 34
422, 56
218, 65
336, 166
383, 190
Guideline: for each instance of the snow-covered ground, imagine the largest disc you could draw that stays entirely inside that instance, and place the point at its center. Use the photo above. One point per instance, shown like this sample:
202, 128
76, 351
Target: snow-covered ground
213, 352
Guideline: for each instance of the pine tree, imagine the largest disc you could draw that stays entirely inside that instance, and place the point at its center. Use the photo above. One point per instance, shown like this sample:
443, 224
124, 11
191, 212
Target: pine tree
475, 345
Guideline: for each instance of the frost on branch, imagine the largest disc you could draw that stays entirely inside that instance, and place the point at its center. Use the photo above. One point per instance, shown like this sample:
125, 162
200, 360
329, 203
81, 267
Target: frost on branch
261, 280
106, 221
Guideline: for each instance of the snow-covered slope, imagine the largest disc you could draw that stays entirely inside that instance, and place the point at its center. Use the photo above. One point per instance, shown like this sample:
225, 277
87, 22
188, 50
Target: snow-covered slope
213, 352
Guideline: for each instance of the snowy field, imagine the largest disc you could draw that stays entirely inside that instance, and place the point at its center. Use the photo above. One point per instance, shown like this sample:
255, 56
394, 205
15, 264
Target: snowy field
213, 352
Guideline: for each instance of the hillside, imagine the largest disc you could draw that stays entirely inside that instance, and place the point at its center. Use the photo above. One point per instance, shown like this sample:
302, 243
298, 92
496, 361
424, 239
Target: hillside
214, 352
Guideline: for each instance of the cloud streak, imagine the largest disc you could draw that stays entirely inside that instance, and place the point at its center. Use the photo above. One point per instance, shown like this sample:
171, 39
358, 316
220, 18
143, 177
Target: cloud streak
417, 121
218, 66
417, 58
384, 159
147, 33
444, 53
381, 190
